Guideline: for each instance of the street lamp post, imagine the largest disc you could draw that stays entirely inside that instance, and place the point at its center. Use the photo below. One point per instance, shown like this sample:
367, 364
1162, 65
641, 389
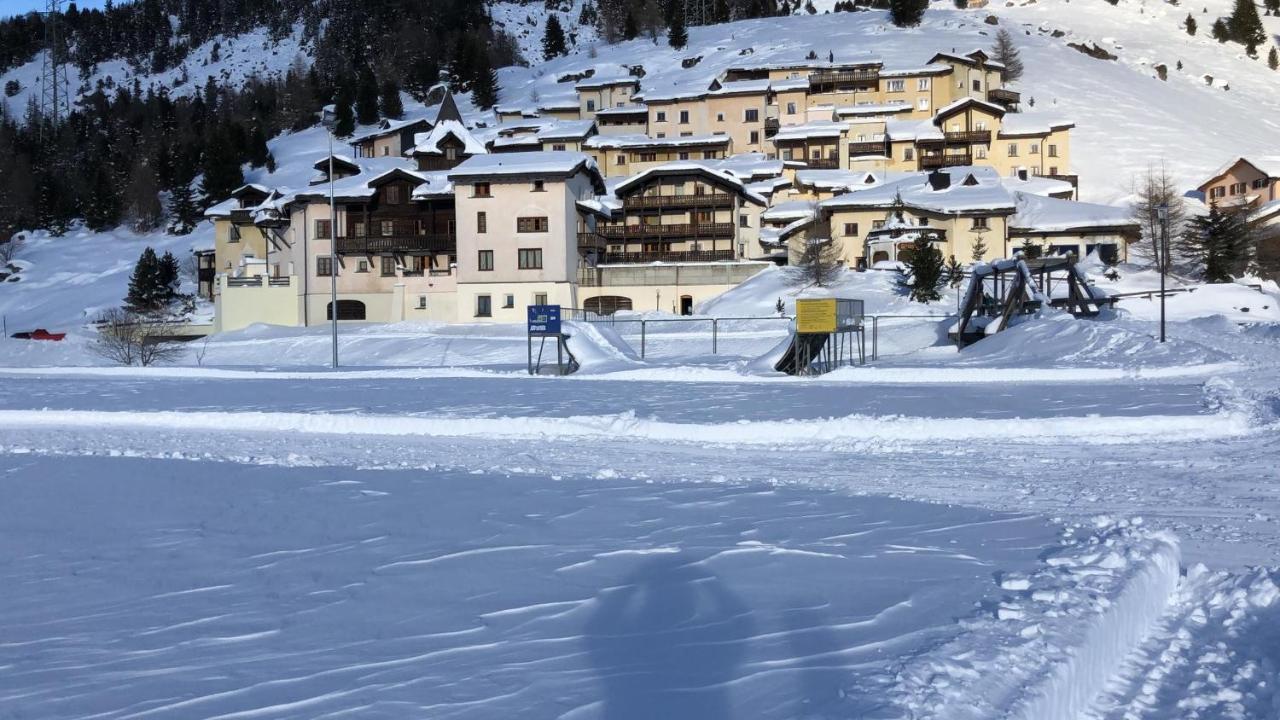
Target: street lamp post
330, 118
1162, 214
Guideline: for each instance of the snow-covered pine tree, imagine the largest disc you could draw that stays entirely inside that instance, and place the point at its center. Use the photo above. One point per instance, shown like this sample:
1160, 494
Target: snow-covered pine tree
183, 209
1246, 27
1273, 59
907, 13
367, 97
1220, 31
144, 284
485, 87
1006, 52
553, 39
1190, 24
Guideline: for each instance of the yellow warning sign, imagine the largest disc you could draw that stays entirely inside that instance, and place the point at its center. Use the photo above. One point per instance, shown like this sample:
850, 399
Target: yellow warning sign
816, 315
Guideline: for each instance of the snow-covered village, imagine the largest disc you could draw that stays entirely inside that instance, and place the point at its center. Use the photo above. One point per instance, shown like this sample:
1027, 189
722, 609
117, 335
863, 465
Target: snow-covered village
640, 359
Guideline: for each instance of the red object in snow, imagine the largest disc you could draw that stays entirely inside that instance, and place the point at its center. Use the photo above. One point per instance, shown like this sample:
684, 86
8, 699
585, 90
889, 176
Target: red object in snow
39, 334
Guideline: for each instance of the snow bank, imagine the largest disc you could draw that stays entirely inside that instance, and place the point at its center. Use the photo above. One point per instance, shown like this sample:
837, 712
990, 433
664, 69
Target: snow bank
1047, 650
599, 348
836, 433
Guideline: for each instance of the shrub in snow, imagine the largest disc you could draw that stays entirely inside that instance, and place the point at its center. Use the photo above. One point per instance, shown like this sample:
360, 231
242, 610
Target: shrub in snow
127, 338
925, 270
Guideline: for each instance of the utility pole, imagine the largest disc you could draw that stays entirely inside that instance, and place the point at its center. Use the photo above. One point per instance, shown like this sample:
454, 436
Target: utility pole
1162, 215
329, 120
55, 98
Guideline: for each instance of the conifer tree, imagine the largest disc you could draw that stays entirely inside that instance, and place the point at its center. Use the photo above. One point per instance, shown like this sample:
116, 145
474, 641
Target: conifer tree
168, 279
907, 13
102, 209
1220, 31
144, 209
926, 269
258, 151
367, 97
1190, 24
1273, 59
222, 172
1246, 27
389, 101
630, 29
344, 120
678, 34
553, 39
183, 209
1006, 53
144, 284
485, 88
1219, 243
1272, 6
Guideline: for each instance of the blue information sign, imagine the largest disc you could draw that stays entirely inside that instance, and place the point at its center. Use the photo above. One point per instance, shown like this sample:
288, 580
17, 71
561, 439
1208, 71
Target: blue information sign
544, 319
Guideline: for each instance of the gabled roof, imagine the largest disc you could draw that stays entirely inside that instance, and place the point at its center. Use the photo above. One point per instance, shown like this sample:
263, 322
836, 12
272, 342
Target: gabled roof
617, 142
1266, 165
966, 103
595, 83
340, 162
985, 194
973, 58
568, 130
549, 165
685, 168
386, 127
448, 110
430, 145
1036, 213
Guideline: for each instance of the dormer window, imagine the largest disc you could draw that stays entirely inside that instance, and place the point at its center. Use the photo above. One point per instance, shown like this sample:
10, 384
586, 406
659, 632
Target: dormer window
391, 194
539, 186
451, 153
481, 190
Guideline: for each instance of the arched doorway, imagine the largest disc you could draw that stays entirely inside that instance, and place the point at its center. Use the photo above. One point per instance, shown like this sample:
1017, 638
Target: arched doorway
606, 304
347, 310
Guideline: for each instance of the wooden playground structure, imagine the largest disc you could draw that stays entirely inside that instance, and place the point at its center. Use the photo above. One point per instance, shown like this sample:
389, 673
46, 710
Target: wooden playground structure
1004, 290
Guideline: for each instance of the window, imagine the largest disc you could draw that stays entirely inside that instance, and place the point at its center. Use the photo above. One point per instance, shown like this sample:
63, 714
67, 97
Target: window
1259, 183
719, 117
386, 151
877, 224
1053, 169
660, 116
909, 154
1239, 188
391, 194
622, 160
484, 306
661, 135
485, 260
482, 222
684, 156
532, 225
686, 134
362, 266
744, 221
347, 310
324, 266
388, 266
451, 153
388, 228
1035, 148
981, 151
977, 86
1013, 149
1053, 151
851, 229
708, 154
791, 108
509, 301
323, 230
752, 115
539, 298
480, 190
591, 106
234, 235
422, 302
414, 266
1217, 192
922, 84
539, 186
684, 117
530, 258
359, 229
557, 147
648, 157
922, 103
754, 138
896, 86
980, 223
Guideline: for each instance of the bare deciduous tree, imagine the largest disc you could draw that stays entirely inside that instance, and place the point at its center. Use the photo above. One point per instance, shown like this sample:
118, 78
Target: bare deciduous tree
1154, 188
9, 250
819, 262
126, 338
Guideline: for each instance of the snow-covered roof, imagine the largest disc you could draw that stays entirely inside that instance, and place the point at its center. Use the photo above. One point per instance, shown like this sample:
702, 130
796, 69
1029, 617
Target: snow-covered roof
930, 69
1031, 123
567, 130
952, 108
970, 190
387, 127
872, 109
968, 58
912, 130
549, 164
690, 167
748, 166
808, 131
839, 180
617, 142
430, 145
788, 211
1036, 213
1268, 165
623, 110
595, 83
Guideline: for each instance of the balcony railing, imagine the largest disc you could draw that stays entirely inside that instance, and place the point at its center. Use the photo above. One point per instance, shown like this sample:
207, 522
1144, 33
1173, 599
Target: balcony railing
823, 163
590, 239
968, 136
929, 162
659, 232
1073, 179
1004, 97
840, 77
662, 202
439, 242
669, 256
866, 148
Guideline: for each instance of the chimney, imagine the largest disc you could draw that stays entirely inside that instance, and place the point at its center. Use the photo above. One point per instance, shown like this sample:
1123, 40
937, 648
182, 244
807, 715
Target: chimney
939, 180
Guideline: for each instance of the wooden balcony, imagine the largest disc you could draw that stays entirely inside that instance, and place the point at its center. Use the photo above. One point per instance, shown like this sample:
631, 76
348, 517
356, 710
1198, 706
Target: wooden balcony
771, 127
932, 162
1004, 97
371, 244
669, 202
844, 77
823, 163
669, 256
1073, 179
677, 231
965, 137
590, 239
866, 148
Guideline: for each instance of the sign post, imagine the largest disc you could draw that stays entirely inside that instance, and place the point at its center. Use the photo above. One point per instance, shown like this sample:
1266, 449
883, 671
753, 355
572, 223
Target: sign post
543, 323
